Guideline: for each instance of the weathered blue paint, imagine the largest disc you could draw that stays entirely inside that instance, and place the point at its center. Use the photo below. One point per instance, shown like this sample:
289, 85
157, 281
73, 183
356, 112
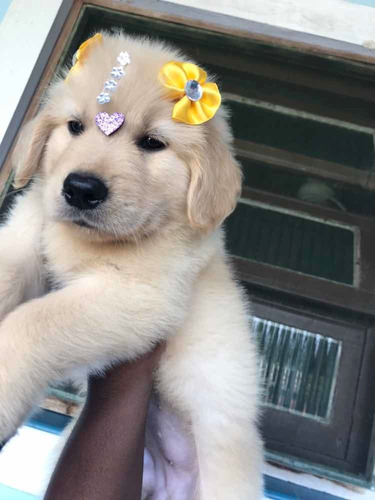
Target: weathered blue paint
48, 421
7, 493
277, 489
4, 4
367, 3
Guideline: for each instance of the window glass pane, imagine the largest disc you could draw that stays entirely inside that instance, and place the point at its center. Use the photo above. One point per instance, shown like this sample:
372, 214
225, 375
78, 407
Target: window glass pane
298, 368
298, 134
292, 242
305, 187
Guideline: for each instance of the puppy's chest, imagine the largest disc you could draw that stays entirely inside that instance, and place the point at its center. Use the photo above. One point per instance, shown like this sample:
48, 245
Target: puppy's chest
54, 279
62, 260
59, 267
59, 273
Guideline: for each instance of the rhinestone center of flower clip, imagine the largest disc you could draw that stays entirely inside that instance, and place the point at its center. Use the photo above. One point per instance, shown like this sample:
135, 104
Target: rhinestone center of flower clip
117, 73
193, 90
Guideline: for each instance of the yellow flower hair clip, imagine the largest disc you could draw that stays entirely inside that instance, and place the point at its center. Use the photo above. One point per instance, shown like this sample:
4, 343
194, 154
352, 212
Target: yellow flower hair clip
198, 101
82, 53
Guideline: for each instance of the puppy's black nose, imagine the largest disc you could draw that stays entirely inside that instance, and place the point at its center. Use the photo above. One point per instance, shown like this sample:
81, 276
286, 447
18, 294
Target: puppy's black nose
84, 191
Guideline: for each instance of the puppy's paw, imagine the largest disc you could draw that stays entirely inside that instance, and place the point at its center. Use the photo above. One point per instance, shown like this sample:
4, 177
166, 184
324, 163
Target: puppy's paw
3, 443
8, 428
15, 390
10, 423
16, 396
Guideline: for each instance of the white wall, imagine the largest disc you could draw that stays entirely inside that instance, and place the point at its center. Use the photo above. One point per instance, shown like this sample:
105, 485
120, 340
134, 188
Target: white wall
347, 20
4, 4
23, 32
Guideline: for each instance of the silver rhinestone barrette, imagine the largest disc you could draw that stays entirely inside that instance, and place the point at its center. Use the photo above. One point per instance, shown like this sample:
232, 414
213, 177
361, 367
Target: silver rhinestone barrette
116, 74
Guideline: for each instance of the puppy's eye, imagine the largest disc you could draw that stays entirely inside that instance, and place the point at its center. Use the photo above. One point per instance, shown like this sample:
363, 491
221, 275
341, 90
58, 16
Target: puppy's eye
75, 127
150, 143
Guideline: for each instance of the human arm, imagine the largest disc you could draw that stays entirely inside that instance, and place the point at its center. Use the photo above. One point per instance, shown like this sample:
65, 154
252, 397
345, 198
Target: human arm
103, 457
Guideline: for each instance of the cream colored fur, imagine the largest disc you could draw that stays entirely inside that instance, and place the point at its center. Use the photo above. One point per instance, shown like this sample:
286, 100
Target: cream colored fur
154, 268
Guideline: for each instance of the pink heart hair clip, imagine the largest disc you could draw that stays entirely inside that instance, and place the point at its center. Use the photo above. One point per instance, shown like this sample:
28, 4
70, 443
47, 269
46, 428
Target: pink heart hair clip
108, 124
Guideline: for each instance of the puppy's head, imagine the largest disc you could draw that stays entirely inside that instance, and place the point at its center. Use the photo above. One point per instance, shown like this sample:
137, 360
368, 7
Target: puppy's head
152, 172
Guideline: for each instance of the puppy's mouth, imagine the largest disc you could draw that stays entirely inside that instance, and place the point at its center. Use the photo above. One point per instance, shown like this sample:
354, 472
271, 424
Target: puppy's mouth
83, 223
78, 220
65, 213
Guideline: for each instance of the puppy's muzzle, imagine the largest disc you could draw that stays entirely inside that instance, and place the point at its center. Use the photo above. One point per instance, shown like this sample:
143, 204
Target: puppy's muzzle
84, 191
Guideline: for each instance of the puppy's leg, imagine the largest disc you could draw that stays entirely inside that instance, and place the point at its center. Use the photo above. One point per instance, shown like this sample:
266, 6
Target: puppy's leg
229, 461
224, 422
209, 374
20, 263
217, 394
93, 322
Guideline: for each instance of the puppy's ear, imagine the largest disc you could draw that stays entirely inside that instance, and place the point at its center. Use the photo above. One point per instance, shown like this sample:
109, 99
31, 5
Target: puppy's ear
29, 148
215, 185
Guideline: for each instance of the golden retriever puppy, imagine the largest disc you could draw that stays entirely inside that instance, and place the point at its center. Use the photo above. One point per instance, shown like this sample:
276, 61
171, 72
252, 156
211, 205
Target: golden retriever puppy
117, 246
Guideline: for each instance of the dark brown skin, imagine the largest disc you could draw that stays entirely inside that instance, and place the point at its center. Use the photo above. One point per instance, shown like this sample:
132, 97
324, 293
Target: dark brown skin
103, 458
